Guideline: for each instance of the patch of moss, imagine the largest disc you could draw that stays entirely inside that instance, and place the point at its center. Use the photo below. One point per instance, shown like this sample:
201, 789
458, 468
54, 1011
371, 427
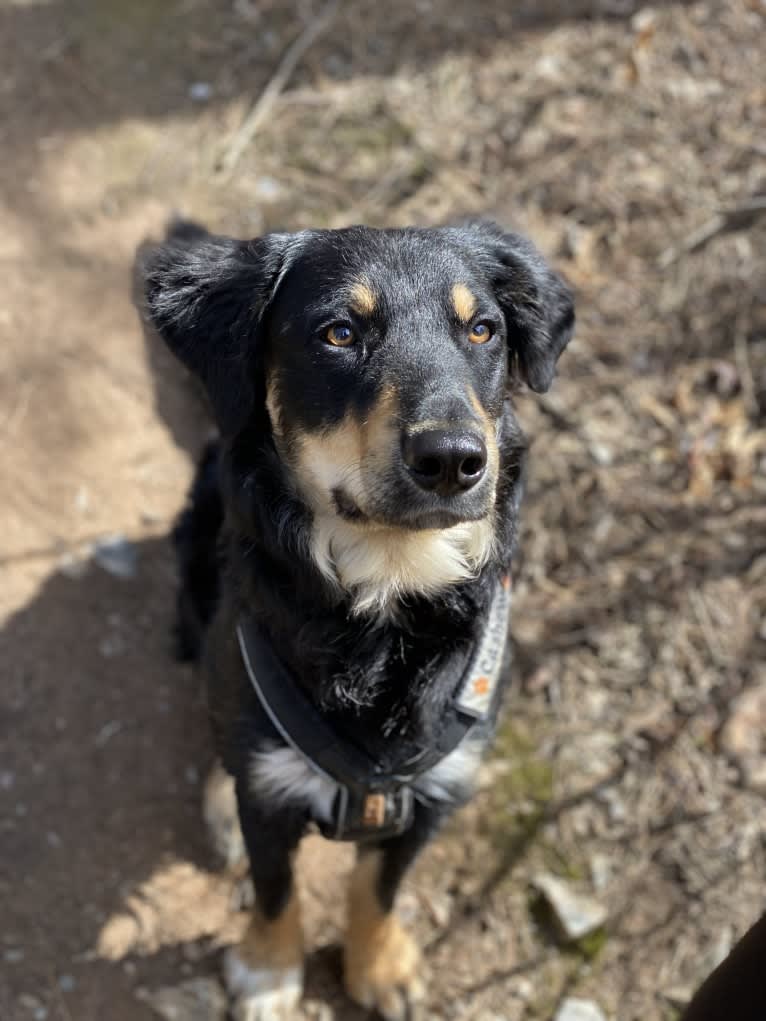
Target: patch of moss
590, 946
521, 792
586, 949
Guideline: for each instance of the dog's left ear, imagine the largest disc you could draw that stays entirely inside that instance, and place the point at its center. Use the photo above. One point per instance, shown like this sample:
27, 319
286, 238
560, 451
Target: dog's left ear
206, 295
537, 304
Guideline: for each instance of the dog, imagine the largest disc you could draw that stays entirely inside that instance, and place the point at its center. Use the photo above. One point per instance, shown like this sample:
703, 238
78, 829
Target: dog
345, 551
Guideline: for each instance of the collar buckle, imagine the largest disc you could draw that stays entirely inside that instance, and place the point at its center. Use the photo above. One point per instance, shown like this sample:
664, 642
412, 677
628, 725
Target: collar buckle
367, 813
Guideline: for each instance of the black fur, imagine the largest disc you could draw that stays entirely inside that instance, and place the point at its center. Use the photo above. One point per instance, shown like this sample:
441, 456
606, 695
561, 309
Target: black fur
232, 310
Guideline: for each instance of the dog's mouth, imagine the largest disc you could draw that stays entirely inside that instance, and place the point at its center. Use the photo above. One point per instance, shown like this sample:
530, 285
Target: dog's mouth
346, 507
412, 519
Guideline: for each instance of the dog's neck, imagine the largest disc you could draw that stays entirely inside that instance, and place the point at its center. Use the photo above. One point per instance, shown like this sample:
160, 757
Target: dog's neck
350, 658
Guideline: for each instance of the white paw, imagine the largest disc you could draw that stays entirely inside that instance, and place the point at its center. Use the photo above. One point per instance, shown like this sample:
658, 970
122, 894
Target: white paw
262, 994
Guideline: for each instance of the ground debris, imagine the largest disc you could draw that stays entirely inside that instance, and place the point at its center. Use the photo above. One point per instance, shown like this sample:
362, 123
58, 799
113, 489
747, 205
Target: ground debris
117, 555
574, 1009
743, 736
576, 913
198, 999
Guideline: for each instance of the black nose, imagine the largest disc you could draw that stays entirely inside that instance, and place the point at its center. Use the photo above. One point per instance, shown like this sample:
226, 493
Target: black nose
444, 461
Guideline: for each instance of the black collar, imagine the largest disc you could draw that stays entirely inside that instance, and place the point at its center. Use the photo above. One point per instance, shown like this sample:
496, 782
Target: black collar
371, 803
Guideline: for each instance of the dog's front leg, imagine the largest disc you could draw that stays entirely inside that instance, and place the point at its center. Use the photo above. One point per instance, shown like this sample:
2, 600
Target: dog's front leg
264, 974
382, 963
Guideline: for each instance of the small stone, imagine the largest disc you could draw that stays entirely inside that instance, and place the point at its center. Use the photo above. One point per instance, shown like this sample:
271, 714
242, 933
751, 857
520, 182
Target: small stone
576, 913
107, 732
719, 950
439, 907
600, 871
13, 955
200, 92
73, 565
574, 1009
66, 983
524, 989
678, 996
601, 454
268, 188
7, 779
82, 499
198, 999
317, 1011
742, 736
31, 1003
116, 555
111, 646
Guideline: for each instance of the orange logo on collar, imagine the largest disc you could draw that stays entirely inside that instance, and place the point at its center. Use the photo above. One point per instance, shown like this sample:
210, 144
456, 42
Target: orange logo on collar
481, 686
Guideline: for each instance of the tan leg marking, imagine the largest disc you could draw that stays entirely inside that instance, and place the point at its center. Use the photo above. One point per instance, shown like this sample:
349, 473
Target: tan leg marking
383, 968
219, 806
274, 943
464, 302
264, 973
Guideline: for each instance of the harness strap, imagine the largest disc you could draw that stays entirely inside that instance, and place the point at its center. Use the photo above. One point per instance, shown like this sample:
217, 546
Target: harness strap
371, 803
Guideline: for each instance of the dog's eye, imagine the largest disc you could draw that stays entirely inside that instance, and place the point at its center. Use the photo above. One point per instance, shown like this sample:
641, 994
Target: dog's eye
481, 333
340, 335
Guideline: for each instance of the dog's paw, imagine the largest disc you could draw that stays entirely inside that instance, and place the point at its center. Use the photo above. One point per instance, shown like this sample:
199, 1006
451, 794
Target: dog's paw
262, 994
219, 807
384, 971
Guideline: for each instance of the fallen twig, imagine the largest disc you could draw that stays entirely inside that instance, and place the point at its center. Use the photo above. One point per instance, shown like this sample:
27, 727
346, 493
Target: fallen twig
728, 218
262, 107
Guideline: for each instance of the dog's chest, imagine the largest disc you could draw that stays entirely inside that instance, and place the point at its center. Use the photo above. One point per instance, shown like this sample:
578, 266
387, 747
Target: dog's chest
281, 775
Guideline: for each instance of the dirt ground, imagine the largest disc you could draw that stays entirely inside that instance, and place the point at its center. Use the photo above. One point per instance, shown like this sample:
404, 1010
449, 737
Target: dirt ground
630, 143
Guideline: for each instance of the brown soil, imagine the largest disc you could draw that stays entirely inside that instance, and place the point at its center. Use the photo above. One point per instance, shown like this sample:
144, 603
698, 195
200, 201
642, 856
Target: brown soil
629, 763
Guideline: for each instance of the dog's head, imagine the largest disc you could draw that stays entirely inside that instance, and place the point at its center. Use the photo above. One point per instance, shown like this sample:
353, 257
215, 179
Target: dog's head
383, 358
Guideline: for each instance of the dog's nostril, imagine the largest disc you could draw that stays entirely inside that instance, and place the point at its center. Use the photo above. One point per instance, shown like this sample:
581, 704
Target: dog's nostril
471, 466
444, 461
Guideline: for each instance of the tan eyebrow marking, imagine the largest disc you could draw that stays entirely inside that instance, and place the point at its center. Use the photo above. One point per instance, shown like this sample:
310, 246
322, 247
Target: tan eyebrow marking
464, 302
362, 298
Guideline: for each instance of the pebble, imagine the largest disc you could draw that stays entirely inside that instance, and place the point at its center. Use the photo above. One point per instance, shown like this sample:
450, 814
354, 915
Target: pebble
198, 999
318, 1011
31, 1003
678, 996
200, 92
116, 555
74, 565
268, 188
524, 989
601, 871
742, 736
67, 983
576, 913
574, 1009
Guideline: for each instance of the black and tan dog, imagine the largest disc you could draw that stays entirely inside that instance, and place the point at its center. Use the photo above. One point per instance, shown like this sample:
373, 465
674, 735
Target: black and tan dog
345, 551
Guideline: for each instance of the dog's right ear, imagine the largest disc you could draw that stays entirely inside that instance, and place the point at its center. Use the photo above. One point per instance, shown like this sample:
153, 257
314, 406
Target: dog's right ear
206, 295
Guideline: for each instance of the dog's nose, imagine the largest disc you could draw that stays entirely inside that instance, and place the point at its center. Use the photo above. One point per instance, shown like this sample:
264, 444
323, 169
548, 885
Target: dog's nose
444, 461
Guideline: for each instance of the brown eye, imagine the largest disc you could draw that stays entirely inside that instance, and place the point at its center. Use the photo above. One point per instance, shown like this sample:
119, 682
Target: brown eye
340, 335
480, 333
